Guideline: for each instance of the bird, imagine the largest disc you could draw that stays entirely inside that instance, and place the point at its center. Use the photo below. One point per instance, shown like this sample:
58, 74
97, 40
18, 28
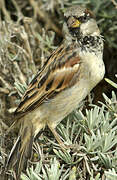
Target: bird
66, 78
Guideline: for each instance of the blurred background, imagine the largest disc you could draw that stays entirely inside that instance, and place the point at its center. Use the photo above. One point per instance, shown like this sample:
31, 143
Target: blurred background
29, 31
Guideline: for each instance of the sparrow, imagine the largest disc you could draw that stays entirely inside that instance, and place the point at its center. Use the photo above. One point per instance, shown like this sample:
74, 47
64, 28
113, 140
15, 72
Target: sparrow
66, 78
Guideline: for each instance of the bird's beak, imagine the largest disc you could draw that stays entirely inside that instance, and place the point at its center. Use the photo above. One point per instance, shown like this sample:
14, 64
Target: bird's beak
75, 24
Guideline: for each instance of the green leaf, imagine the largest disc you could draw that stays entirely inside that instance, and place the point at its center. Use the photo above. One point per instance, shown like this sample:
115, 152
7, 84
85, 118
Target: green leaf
111, 82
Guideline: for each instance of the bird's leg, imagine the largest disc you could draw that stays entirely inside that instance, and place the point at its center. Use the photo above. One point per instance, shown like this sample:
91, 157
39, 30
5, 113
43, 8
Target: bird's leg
56, 135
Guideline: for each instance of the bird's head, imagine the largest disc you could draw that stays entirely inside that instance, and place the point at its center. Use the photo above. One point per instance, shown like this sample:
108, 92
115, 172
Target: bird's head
80, 22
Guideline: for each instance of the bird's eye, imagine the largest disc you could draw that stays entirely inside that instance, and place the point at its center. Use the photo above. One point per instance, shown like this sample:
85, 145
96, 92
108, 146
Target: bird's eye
83, 18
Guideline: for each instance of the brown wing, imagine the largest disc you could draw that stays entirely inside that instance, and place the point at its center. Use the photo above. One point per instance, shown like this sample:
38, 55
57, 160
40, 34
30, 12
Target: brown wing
57, 74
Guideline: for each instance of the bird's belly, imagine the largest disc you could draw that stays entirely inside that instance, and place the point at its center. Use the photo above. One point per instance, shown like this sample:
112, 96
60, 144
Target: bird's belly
54, 110
65, 102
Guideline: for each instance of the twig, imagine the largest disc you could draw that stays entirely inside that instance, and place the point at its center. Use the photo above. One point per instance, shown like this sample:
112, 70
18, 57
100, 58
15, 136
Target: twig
3, 125
115, 3
3, 90
45, 17
28, 48
20, 14
19, 72
6, 84
19, 47
5, 12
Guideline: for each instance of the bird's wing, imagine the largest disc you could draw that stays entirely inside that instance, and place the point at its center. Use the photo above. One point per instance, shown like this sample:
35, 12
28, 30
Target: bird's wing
57, 74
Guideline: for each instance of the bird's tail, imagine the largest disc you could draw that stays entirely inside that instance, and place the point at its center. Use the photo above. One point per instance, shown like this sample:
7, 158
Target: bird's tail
21, 151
